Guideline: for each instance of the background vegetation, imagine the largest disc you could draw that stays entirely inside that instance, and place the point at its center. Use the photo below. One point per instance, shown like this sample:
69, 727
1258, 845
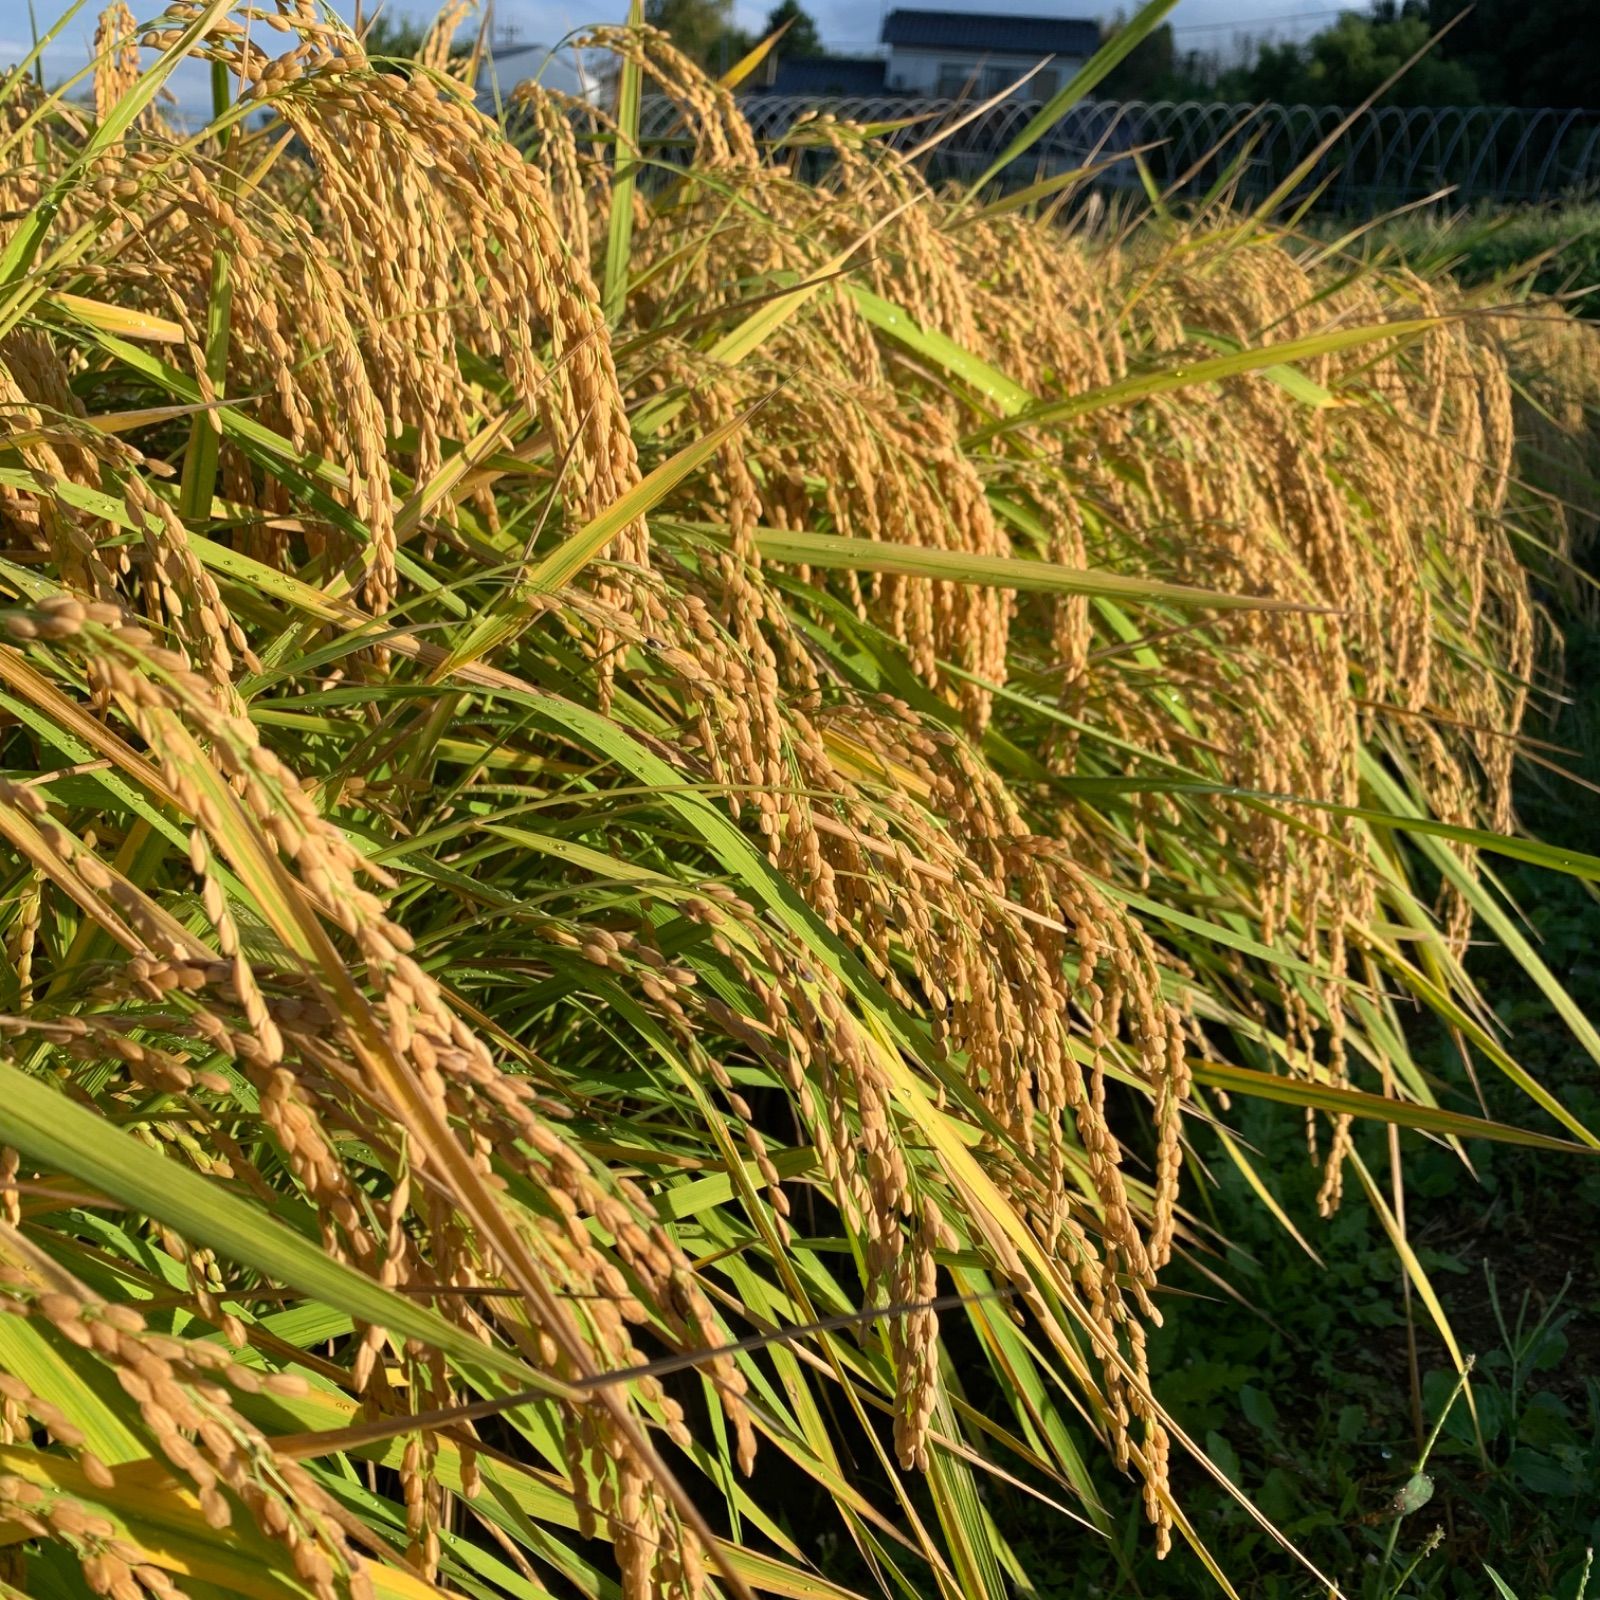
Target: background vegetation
1497, 52
1506, 251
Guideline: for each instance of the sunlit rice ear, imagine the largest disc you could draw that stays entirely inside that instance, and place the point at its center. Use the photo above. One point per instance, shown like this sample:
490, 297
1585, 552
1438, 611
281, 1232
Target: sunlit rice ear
604, 754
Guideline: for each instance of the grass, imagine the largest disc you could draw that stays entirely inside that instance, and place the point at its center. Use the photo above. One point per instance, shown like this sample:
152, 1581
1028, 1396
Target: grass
1304, 1396
1544, 250
654, 857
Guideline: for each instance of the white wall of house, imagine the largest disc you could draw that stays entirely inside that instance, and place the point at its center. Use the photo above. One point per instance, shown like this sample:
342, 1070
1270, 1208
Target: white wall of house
947, 73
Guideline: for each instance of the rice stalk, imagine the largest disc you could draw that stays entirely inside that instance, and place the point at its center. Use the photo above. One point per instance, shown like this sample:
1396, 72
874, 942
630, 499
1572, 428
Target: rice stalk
577, 845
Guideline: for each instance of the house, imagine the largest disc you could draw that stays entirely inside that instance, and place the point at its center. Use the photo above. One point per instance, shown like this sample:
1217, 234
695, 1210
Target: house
944, 55
830, 77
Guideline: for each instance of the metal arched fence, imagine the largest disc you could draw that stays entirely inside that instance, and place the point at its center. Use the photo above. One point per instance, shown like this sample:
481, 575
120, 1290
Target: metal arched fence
1387, 156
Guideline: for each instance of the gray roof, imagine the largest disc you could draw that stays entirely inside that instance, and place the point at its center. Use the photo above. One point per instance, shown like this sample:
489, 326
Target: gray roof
979, 31
827, 75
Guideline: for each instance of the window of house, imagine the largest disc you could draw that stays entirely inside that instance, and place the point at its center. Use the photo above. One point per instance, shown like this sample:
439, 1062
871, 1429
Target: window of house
1043, 84
954, 77
996, 80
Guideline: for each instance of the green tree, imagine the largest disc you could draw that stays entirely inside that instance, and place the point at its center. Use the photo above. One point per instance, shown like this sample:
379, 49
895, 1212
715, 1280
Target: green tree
1351, 60
394, 34
1146, 71
1524, 52
392, 38
802, 40
702, 29
1155, 70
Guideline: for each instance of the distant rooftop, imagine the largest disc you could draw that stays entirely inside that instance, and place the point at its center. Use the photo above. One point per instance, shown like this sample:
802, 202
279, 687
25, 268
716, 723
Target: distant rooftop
828, 75
983, 31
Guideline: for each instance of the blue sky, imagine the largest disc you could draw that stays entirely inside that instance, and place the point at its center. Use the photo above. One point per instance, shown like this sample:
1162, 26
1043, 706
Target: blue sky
847, 25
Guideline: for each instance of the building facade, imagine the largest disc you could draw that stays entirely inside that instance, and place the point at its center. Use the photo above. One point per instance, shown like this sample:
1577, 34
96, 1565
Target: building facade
948, 55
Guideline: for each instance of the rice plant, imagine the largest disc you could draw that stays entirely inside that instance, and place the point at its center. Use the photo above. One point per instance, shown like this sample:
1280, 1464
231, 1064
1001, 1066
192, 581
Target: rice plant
640, 797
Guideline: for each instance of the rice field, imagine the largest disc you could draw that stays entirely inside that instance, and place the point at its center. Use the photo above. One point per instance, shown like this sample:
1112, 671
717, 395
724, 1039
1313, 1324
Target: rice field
641, 804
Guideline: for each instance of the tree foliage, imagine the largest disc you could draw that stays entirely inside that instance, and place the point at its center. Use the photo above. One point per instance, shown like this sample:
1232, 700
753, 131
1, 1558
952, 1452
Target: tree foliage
1149, 71
802, 41
1352, 60
703, 29
393, 33
1524, 52
393, 37
1495, 52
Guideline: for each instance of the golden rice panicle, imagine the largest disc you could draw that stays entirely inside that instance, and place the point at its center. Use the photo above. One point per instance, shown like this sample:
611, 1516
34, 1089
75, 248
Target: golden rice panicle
183, 593
1554, 357
719, 135
435, 54
1002, 959
22, 934
305, 1050
899, 487
547, 130
914, 1336
433, 236
116, 56
43, 417
1268, 717
183, 1390
953, 1030
873, 1192
1286, 494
